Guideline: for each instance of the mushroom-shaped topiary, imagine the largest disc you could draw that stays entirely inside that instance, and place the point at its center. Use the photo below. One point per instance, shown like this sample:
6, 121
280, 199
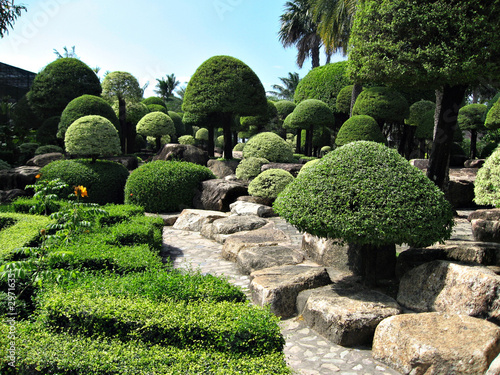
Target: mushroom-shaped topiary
367, 194
179, 125
270, 183
359, 128
250, 167
154, 100
284, 108
156, 108
187, 140
92, 136
493, 117
418, 112
269, 146
470, 117
344, 99
487, 184
156, 125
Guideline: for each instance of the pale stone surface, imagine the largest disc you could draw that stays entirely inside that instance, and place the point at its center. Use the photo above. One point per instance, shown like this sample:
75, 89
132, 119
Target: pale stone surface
7, 196
347, 314
187, 153
489, 214
249, 208
293, 168
257, 200
494, 367
476, 163
278, 287
433, 343
193, 220
486, 230
451, 288
260, 257
219, 229
44, 159
219, 194
268, 235
18, 178
420, 163
222, 168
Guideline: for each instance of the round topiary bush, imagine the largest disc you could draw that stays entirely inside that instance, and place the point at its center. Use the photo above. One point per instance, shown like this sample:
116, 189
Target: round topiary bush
418, 113
344, 99
104, 180
269, 146
92, 136
179, 125
309, 164
187, 140
165, 186
48, 149
359, 128
284, 108
383, 104
157, 108
239, 147
270, 183
249, 168
493, 117
487, 185
156, 125
201, 135
154, 100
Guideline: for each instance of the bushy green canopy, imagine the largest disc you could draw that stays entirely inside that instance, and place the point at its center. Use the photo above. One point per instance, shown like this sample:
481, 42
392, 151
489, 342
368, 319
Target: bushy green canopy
134, 111
269, 146
383, 104
284, 108
155, 124
85, 105
121, 86
343, 103
470, 117
250, 167
359, 128
367, 194
92, 136
263, 120
425, 128
418, 112
312, 113
156, 108
487, 184
493, 117
179, 125
270, 183
154, 100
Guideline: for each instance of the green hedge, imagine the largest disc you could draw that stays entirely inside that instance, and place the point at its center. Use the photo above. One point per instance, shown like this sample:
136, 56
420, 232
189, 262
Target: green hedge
138, 230
269, 146
359, 128
39, 351
250, 168
23, 205
119, 213
223, 326
487, 184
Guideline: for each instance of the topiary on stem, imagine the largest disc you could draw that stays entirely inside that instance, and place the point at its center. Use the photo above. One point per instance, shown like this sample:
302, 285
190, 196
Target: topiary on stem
359, 128
269, 146
156, 125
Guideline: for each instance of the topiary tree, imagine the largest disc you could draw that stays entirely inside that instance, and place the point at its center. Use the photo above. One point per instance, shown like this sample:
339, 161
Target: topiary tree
265, 122
187, 140
344, 98
60, 82
179, 125
92, 136
470, 118
270, 183
156, 124
154, 100
487, 184
202, 136
221, 88
156, 108
358, 193
85, 105
359, 128
493, 117
422, 118
249, 168
269, 146
165, 186
46, 134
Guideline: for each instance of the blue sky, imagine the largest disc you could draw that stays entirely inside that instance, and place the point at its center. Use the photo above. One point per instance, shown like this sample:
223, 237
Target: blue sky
153, 38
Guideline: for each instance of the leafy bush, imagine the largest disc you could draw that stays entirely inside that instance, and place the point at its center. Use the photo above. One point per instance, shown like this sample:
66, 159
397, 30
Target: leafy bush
201, 134
157, 108
487, 185
47, 149
249, 168
104, 180
270, 183
344, 98
4, 165
425, 127
359, 128
27, 150
154, 100
284, 108
470, 117
24, 204
156, 124
419, 113
493, 117
239, 147
119, 213
179, 125
165, 186
138, 230
306, 166
488, 149
360, 192
219, 141
383, 104
269, 146
46, 134
187, 140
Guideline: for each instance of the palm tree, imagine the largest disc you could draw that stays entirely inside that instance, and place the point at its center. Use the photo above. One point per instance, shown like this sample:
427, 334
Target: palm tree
298, 28
166, 87
67, 53
287, 90
8, 15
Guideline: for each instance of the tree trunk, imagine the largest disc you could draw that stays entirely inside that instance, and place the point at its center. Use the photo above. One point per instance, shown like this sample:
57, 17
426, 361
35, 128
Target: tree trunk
356, 90
211, 141
448, 101
227, 122
309, 136
158, 144
473, 144
369, 265
122, 116
315, 56
410, 141
299, 141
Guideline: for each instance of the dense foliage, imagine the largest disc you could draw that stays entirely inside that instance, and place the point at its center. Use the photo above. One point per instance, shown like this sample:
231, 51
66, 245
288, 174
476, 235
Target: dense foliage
359, 128
270, 183
344, 98
155, 124
250, 167
46, 133
493, 117
383, 104
418, 112
269, 146
487, 184
470, 116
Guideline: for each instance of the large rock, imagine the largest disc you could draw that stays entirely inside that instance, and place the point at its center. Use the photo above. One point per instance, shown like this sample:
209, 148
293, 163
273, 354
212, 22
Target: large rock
268, 235
434, 343
44, 159
193, 220
219, 229
347, 314
485, 253
187, 153
488, 214
257, 200
129, 162
260, 257
248, 208
451, 288
294, 169
494, 367
486, 230
421, 164
18, 178
347, 257
476, 163
219, 194
461, 187
7, 196
278, 287
223, 168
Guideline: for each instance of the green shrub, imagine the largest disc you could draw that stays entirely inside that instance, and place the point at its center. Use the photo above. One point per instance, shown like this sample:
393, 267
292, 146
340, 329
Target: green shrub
325, 150
418, 113
47, 149
487, 184
180, 129
249, 168
425, 127
219, 141
223, 326
157, 108
201, 134
119, 213
306, 166
488, 150
165, 186
284, 108
46, 134
154, 100
270, 183
4, 165
360, 192
39, 350
493, 117
343, 103
104, 180
269, 146
23, 205
138, 230
187, 140
239, 147
28, 149
359, 128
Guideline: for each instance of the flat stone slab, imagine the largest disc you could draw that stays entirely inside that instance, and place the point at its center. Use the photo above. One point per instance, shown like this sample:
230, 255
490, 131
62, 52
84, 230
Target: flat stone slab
279, 287
168, 219
260, 257
433, 343
219, 229
193, 220
452, 288
249, 208
347, 314
267, 235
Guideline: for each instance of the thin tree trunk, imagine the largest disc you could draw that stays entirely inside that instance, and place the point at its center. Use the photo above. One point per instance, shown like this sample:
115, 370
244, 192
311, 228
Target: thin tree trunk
473, 144
356, 90
309, 136
448, 101
315, 56
211, 141
298, 146
122, 116
227, 122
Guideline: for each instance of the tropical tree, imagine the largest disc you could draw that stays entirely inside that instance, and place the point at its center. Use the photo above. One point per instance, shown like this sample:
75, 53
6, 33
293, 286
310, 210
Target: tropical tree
286, 91
68, 53
165, 87
8, 15
471, 118
299, 29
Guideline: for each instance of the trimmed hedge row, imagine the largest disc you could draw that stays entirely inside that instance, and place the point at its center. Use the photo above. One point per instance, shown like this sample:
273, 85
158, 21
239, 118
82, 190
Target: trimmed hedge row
223, 326
40, 351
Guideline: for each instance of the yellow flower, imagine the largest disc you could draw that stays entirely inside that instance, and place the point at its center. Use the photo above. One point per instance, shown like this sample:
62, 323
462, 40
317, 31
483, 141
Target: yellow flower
81, 191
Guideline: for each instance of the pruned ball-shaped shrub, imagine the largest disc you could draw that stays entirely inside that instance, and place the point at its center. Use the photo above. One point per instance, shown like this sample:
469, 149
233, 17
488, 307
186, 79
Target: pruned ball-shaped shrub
187, 140
309, 164
239, 147
418, 112
48, 149
270, 183
250, 168
470, 116
425, 127
284, 108
367, 194
179, 125
493, 117
359, 128
487, 185
165, 186
92, 136
344, 98
4, 165
201, 134
154, 100
269, 146
104, 180
155, 124
157, 108
383, 104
